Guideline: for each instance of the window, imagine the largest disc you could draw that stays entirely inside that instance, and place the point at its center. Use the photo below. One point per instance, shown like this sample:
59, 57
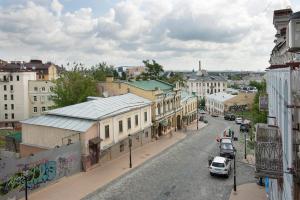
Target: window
219, 84
43, 88
106, 131
12, 106
5, 106
35, 88
129, 123
11, 78
120, 126
18, 78
12, 115
146, 134
12, 97
4, 87
43, 109
145, 116
207, 84
35, 109
34, 98
122, 147
4, 78
207, 90
11, 87
218, 90
136, 120
6, 116
5, 97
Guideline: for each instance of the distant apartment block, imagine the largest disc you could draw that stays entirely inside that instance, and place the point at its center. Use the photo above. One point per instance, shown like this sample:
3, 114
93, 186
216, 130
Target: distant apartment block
44, 71
131, 71
39, 93
14, 101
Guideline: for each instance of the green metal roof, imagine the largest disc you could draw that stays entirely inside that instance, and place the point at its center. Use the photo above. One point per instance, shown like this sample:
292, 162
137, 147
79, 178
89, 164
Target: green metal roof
152, 85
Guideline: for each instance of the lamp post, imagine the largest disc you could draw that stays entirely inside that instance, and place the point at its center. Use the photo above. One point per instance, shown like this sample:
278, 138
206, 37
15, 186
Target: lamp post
130, 145
245, 134
25, 174
197, 114
234, 170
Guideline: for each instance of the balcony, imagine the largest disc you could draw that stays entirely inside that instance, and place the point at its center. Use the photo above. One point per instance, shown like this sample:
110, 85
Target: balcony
268, 152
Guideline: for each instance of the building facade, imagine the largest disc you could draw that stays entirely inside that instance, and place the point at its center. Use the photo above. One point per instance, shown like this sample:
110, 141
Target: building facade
44, 71
221, 103
283, 88
203, 84
189, 108
166, 108
103, 133
39, 93
14, 101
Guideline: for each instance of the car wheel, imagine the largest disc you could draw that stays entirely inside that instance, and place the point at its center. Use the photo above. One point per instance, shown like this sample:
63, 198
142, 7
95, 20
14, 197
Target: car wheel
211, 174
227, 175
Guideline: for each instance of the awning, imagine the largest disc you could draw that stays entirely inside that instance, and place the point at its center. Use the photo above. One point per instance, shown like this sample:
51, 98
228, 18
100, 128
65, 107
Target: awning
95, 140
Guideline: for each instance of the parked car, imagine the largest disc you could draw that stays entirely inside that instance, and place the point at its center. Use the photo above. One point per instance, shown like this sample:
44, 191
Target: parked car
201, 118
244, 127
238, 120
202, 111
214, 115
226, 148
220, 166
229, 117
205, 121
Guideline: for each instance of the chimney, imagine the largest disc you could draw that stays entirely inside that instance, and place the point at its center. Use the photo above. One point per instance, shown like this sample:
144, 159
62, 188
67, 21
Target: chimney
199, 65
109, 79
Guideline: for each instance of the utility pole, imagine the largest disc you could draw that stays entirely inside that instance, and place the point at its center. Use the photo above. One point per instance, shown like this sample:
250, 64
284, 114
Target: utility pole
26, 173
234, 171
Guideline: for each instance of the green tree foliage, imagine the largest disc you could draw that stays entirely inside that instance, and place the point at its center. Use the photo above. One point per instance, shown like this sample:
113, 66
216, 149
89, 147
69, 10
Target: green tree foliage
153, 70
174, 78
73, 87
202, 103
260, 86
100, 71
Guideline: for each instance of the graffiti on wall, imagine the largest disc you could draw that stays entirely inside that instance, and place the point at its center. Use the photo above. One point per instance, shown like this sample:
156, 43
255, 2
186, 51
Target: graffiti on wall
39, 172
238, 108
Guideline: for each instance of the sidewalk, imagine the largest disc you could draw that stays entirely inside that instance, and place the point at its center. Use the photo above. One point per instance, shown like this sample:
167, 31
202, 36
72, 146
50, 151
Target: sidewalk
248, 191
83, 183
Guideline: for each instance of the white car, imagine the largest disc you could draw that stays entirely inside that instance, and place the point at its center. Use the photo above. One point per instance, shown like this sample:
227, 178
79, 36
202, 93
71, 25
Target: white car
220, 166
238, 120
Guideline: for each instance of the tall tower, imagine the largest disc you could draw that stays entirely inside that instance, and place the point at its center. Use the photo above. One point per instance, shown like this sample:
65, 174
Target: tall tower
199, 73
199, 65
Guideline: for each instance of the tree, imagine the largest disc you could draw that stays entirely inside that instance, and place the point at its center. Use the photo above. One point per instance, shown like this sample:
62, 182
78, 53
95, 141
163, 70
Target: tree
73, 87
260, 86
100, 71
175, 77
153, 70
124, 76
202, 103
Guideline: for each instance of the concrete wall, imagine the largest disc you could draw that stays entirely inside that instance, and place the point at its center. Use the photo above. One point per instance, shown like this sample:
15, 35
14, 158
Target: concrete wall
44, 168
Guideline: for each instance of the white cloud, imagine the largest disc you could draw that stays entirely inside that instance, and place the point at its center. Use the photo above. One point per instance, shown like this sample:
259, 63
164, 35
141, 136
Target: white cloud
57, 7
234, 34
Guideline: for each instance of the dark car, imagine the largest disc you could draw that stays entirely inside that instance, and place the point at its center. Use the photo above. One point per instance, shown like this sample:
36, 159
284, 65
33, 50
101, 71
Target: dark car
244, 128
226, 148
229, 117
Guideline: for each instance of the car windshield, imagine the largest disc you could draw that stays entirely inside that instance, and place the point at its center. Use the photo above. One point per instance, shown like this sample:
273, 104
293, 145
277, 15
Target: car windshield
216, 164
226, 146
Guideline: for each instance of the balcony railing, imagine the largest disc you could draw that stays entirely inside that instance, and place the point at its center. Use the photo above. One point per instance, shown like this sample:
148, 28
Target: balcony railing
268, 151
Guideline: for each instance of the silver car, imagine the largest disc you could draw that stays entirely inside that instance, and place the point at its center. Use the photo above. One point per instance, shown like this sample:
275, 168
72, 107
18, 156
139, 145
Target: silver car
220, 166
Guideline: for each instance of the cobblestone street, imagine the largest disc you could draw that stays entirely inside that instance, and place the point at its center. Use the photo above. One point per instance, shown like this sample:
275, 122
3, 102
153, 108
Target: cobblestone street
180, 172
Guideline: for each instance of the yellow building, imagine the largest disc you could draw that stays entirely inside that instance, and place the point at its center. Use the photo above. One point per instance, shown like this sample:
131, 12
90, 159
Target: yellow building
189, 107
165, 98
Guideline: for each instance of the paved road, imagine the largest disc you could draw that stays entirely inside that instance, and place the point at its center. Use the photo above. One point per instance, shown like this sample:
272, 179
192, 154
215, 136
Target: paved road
180, 172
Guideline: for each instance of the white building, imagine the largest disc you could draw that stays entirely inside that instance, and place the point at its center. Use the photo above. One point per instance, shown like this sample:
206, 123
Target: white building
203, 84
283, 88
215, 102
14, 102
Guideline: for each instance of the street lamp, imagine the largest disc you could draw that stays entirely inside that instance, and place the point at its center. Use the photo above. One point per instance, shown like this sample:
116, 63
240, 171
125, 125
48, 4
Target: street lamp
130, 145
26, 174
245, 133
197, 114
234, 170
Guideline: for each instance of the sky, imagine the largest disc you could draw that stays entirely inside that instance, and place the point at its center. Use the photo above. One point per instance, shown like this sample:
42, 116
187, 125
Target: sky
223, 34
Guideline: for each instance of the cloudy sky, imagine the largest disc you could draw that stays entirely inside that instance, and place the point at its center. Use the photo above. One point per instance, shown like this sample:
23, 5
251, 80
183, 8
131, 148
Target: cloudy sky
223, 34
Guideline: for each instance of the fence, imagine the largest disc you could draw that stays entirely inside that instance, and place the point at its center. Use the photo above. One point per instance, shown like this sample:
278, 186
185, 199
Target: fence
44, 167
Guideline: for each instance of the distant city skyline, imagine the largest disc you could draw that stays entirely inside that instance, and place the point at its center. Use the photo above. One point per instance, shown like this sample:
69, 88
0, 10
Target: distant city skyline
177, 34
